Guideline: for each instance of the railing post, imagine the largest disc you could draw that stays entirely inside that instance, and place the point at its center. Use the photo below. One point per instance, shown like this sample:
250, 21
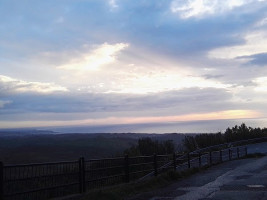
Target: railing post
237, 152
174, 161
199, 159
188, 160
221, 156
230, 156
1, 181
155, 165
246, 151
126, 169
210, 157
82, 175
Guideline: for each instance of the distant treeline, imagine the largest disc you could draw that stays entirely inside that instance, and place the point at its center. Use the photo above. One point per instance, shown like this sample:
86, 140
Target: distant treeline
233, 134
34, 146
21, 147
148, 146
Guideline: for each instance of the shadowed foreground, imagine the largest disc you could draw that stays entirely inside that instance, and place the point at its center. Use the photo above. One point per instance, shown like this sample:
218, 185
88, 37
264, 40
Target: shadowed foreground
239, 179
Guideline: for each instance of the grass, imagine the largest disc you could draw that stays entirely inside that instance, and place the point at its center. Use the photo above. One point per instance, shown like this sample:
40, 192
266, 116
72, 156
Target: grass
120, 192
123, 191
255, 155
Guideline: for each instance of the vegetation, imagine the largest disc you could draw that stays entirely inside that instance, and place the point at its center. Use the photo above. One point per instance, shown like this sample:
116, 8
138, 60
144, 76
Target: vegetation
31, 146
233, 134
124, 191
28, 146
16, 149
254, 155
147, 146
61, 147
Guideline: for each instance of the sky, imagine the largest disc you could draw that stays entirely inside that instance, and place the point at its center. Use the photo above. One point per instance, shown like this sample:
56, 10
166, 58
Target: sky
142, 63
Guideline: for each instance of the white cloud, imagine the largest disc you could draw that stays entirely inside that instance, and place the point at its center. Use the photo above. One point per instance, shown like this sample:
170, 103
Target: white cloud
191, 8
9, 84
141, 72
262, 22
200, 8
254, 45
153, 82
261, 84
101, 55
113, 3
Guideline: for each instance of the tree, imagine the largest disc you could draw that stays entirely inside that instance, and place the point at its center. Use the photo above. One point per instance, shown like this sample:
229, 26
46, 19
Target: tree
235, 133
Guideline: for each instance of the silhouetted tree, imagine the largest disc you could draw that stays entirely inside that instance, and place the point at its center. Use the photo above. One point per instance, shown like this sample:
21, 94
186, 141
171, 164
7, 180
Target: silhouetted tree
233, 134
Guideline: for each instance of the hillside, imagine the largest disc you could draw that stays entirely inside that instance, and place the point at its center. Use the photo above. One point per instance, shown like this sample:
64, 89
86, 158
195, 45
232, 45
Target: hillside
35, 146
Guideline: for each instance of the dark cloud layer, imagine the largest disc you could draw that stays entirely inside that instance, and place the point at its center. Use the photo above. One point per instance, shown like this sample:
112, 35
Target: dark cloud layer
257, 59
170, 103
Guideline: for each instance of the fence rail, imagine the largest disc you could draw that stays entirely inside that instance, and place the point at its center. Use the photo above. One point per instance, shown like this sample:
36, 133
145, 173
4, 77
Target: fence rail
49, 180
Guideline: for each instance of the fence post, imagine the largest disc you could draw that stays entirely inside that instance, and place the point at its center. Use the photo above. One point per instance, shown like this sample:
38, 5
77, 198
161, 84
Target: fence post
84, 173
230, 156
221, 156
246, 151
1, 181
199, 159
237, 152
174, 161
188, 160
126, 169
210, 157
81, 175
155, 165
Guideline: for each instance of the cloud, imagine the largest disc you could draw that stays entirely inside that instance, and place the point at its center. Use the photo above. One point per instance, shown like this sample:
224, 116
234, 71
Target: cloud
262, 22
139, 71
160, 82
99, 104
180, 38
261, 84
202, 8
101, 55
77, 108
3, 103
113, 3
9, 85
253, 45
210, 76
256, 59
228, 114
131, 59
93, 22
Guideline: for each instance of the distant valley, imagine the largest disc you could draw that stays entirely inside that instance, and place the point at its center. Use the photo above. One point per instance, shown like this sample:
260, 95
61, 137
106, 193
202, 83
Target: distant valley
31, 146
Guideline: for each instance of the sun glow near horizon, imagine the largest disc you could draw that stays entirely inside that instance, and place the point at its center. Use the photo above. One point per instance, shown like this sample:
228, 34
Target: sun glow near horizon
220, 115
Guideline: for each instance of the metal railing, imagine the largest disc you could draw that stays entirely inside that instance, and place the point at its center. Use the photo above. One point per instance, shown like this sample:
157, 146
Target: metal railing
199, 159
49, 180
